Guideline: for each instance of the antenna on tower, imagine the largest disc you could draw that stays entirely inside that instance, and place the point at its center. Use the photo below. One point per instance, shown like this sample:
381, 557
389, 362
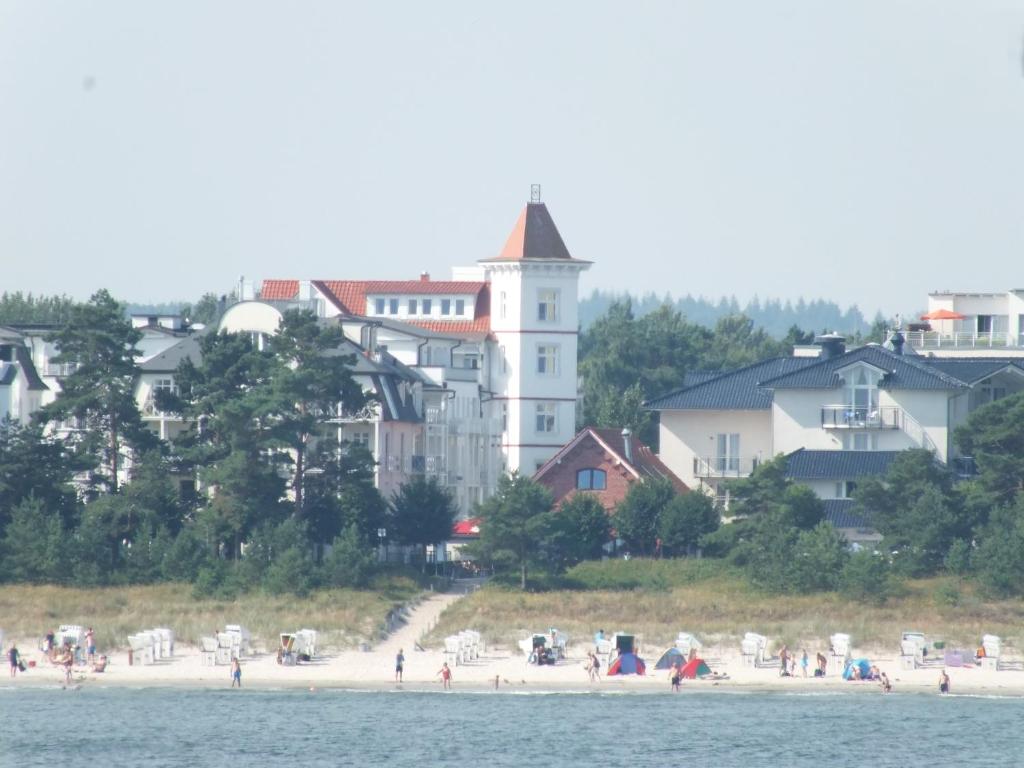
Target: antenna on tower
535, 193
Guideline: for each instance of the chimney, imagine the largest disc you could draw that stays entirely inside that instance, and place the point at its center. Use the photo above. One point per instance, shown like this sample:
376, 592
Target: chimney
832, 345
424, 277
897, 340
627, 443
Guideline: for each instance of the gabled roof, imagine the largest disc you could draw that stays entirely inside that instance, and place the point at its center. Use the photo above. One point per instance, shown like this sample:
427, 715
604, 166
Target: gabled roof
904, 372
974, 369
644, 464
534, 237
840, 513
804, 464
734, 390
349, 297
170, 358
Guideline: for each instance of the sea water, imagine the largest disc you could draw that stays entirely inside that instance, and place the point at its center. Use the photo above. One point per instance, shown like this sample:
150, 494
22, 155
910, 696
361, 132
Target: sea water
97, 727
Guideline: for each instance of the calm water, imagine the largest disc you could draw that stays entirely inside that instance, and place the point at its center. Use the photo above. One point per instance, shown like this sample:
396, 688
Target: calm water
97, 727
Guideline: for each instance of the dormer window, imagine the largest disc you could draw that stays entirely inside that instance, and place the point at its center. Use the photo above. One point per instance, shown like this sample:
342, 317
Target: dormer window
446, 306
862, 393
378, 306
412, 306
428, 305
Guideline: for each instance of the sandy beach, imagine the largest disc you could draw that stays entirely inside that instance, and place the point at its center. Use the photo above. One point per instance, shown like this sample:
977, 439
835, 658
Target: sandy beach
374, 670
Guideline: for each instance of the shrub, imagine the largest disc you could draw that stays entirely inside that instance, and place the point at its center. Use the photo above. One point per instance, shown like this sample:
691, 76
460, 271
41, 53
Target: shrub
866, 576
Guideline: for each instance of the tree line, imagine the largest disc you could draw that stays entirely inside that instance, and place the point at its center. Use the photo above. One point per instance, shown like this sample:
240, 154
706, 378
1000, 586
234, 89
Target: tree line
256, 494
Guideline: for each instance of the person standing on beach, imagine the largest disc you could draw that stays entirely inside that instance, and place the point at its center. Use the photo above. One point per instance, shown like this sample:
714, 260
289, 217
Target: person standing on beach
236, 673
90, 645
886, 685
446, 676
822, 663
784, 661
399, 665
943, 682
13, 657
803, 662
594, 668
676, 675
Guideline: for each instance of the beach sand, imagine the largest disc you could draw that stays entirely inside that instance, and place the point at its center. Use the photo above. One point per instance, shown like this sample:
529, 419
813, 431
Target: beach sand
375, 670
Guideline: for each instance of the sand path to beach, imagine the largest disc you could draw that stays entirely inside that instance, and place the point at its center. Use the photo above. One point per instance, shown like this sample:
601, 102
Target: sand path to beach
421, 619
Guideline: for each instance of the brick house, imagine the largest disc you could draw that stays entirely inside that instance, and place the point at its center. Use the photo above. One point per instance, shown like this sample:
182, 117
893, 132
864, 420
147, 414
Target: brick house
605, 462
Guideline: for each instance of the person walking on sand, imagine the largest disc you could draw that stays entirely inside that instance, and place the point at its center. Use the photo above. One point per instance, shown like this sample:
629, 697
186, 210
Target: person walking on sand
90, 645
784, 661
236, 673
594, 668
14, 658
446, 676
943, 682
399, 665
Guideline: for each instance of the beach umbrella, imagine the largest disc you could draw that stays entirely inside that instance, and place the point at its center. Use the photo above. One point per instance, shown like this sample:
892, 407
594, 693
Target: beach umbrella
943, 314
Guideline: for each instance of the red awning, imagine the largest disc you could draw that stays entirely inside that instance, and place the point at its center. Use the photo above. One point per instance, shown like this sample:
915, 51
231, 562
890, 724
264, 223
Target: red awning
470, 527
943, 314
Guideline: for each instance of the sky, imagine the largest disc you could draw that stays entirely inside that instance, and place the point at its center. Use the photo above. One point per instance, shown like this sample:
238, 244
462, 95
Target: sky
857, 150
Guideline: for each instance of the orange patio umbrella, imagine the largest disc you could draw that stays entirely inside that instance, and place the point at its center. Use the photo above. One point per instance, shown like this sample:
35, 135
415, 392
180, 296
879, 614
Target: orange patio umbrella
943, 314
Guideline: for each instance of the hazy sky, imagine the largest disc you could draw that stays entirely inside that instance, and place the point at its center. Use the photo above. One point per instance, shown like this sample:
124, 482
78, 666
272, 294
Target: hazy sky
866, 152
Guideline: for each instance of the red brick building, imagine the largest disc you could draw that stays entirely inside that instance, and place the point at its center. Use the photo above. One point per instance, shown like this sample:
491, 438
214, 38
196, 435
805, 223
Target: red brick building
604, 462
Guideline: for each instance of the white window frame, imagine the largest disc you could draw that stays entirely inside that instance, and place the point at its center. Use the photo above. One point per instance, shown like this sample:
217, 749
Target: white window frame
727, 451
460, 307
547, 360
412, 307
547, 305
546, 418
379, 305
427, 306
446, 306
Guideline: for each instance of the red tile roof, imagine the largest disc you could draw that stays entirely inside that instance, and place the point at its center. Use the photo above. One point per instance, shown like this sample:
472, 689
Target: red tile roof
534, 236
349, 296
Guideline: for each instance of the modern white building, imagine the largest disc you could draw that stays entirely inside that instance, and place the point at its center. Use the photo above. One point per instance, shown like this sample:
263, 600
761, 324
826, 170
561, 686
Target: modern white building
21, 389
960, 324
841, 415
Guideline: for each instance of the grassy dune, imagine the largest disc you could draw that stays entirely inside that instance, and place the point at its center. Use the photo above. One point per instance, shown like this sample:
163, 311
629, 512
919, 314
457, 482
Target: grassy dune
657, 599
344, 617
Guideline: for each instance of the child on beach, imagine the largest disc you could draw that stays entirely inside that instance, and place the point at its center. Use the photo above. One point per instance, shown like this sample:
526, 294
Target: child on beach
446, 676
676, 675
236, 673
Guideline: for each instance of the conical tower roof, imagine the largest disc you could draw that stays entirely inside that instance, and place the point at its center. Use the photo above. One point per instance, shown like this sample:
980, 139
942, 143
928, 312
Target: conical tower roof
534, 236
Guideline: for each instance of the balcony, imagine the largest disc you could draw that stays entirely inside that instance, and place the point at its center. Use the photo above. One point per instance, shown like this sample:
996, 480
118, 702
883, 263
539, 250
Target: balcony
961, 340
342, 415
855, 417
723, 466
60, 370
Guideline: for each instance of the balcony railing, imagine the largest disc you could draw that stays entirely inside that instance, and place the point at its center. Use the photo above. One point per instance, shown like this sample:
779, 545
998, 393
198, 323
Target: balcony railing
723, 466
61, 369
341, 415
961, 339
856, 417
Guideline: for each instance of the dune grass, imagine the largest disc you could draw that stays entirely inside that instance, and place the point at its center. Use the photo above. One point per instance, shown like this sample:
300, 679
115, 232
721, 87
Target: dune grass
657, 599
344, 617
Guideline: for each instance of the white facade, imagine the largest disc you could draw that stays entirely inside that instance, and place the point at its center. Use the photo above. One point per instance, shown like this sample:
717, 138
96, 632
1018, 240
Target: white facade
991, 324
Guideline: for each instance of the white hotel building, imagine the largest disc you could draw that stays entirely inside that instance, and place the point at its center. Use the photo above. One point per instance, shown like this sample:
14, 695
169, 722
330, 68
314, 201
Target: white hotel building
482, 367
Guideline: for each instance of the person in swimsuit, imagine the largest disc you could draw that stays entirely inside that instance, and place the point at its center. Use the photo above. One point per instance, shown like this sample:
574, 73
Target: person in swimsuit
886, 685
236, 673
676, 676
446, 676
399, 665
943, 682
90, 645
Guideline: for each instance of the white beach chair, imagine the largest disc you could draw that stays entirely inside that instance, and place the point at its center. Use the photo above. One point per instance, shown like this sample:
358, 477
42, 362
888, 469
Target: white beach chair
686, 642
993, 650
207, 651
142, 648
475, 640
227, 648
911, 653
243, 643
309, 638
154, 641
468, 644
452, 649
480, 642
840, 653
166, 641
753, 647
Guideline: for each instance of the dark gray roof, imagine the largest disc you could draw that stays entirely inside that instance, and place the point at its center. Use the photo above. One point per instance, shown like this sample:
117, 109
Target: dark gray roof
24, 358
734, 390
840, 512
902, 372
169, 360
804, 464
973, 369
